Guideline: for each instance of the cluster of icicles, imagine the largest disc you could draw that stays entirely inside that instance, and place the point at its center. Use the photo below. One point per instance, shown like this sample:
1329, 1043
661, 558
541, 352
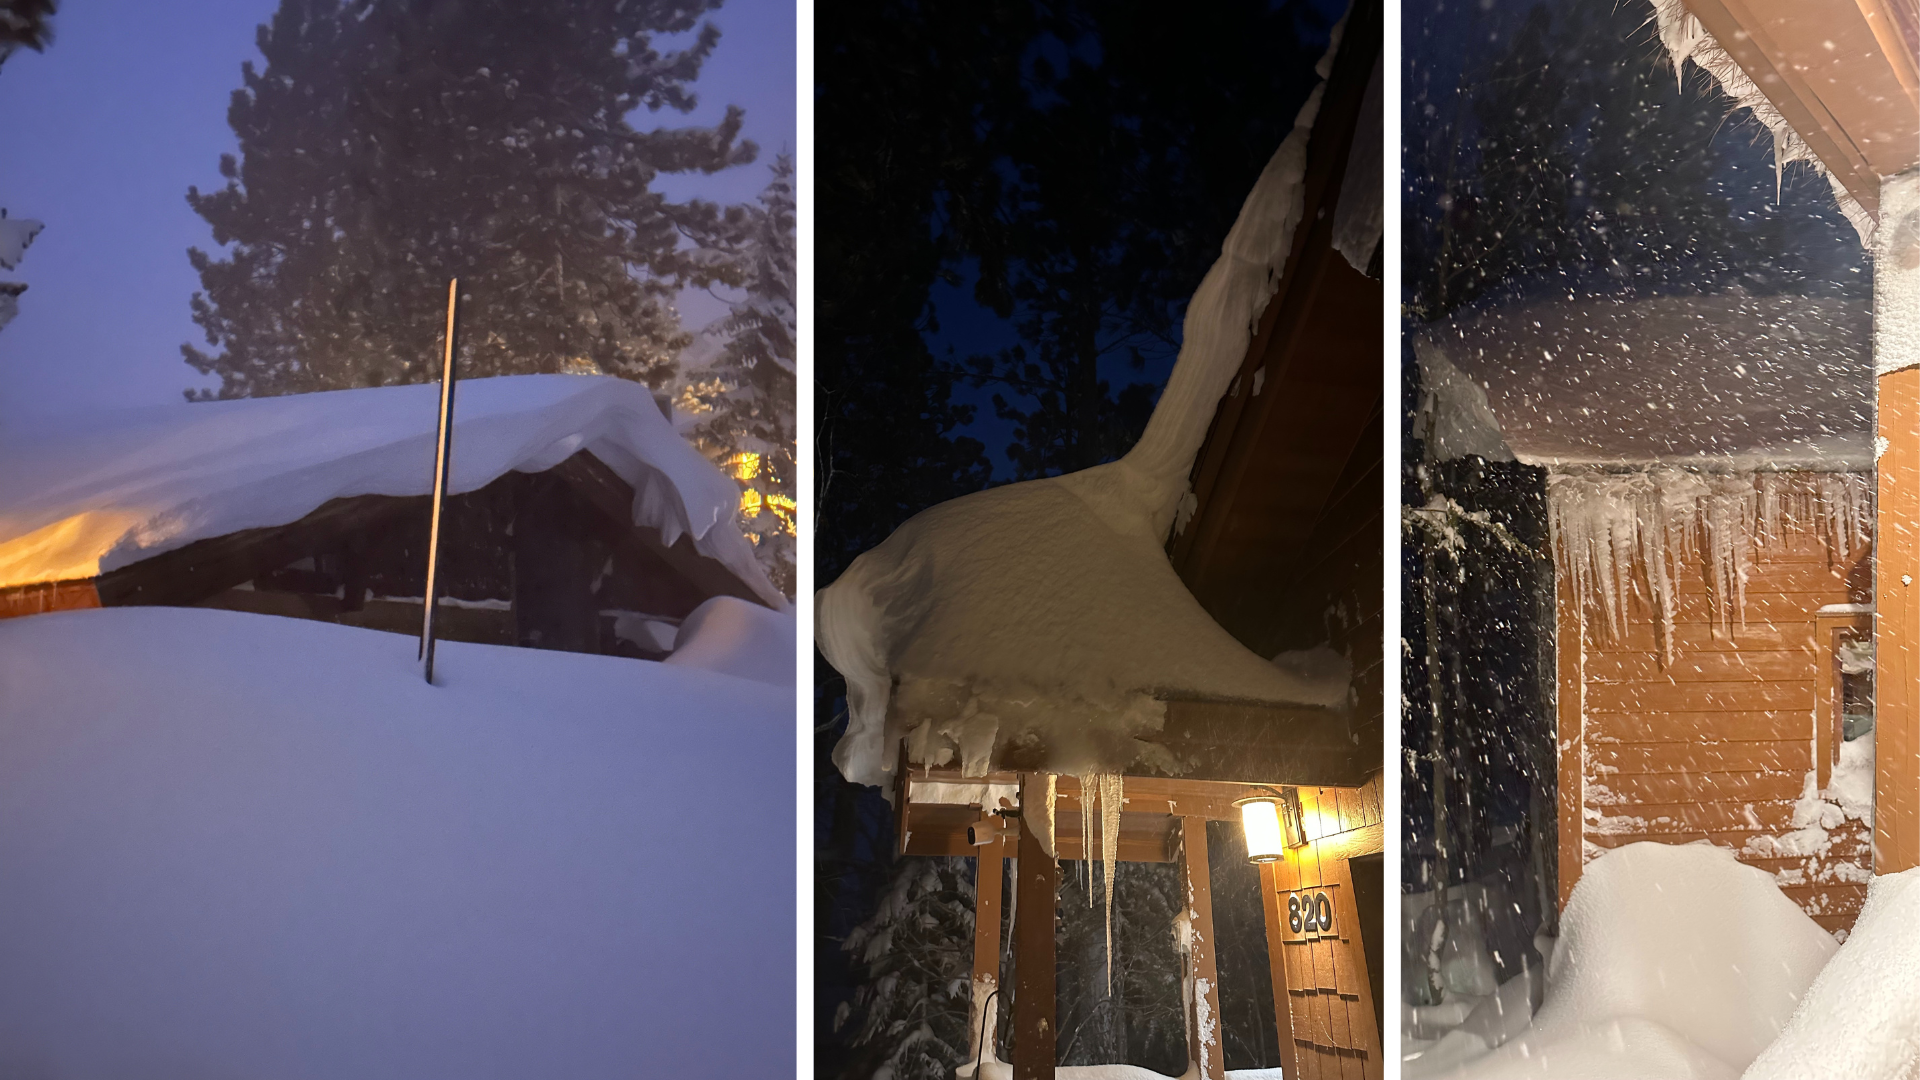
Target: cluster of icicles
1105, 791
1617, 533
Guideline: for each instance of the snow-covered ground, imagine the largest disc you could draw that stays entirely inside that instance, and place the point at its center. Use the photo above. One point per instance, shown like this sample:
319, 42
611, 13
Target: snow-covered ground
1674, 963
235, 845
85, 495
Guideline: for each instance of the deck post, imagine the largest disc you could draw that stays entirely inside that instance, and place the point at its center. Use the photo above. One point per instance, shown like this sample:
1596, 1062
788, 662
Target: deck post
988, 876
1038, 891
1203, 1025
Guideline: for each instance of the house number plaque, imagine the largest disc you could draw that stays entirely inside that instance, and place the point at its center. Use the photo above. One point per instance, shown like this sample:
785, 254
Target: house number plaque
1309, 912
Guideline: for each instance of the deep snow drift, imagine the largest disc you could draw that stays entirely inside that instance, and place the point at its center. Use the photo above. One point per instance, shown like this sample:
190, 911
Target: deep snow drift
236, 845
1674, 963
1047, 609
1861, 1018
81, 496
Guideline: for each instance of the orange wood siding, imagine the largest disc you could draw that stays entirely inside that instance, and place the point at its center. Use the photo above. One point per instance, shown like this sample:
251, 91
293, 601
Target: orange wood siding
1327, 1021
1715, 745
1896, 686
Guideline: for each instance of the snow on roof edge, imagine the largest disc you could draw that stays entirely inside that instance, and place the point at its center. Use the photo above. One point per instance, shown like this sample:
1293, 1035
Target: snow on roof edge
87, 500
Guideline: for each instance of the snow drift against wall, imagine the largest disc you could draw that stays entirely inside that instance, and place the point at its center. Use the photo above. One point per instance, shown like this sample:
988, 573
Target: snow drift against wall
236, 845
1047, 609
83, 496
1620, 533
1674, 963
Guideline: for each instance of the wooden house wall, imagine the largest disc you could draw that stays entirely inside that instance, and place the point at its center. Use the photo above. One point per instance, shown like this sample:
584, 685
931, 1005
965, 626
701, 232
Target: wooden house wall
1717, 743
1329, 1024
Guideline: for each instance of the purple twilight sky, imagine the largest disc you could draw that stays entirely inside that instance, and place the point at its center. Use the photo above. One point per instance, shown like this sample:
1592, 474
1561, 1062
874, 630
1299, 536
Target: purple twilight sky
103, 133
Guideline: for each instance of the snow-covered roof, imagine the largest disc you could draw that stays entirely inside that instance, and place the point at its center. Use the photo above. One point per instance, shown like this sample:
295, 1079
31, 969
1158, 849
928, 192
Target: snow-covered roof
81, 496
1048, 610
241, 845
1721, 379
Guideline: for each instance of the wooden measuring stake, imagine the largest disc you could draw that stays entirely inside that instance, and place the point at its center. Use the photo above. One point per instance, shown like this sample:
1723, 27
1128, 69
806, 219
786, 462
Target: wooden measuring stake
442, 466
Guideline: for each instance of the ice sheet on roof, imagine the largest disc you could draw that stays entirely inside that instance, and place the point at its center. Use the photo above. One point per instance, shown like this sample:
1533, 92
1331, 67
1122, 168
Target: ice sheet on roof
1047, 609
1747, 380
83, 496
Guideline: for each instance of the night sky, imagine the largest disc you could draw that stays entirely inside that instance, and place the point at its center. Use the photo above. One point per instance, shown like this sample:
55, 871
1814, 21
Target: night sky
101, 135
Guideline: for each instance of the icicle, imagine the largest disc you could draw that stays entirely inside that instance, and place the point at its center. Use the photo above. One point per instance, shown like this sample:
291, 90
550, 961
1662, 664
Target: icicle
1053, 800
1112, 796
1089, 798
1615, 534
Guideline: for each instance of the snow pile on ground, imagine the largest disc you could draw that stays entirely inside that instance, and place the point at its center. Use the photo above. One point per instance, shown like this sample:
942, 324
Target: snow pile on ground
81, 498
734, 637
235, 845
1674, 963
1047, 610
1860, 1019
1817, 813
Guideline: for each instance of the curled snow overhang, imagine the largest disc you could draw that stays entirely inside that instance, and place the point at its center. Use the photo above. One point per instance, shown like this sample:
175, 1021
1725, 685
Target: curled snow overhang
82, 497
1725, 381
1834, 82
1042, 621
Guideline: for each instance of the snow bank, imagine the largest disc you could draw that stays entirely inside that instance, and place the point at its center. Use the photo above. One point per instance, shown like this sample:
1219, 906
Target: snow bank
82, 497
1048, 609
1674, 962
236, 845
734, 637
1860, 1019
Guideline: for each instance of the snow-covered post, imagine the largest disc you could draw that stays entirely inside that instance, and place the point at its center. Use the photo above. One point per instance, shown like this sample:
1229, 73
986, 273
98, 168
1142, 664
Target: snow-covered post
1896, 363
1196, 890
1037, 897
988, 875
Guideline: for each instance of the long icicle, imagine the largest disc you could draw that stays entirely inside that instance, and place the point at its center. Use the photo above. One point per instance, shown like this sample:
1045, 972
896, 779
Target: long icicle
1112, 795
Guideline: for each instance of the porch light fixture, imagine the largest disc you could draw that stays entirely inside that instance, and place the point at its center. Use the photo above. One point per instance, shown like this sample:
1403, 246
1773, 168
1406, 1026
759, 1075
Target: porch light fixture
1271, 824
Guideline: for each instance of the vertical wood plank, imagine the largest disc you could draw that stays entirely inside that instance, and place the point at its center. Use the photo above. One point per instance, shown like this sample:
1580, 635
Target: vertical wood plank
988, 881
1896, 588
1196, 877
1277, 965
1361, 1010
1038, 887
1569, 650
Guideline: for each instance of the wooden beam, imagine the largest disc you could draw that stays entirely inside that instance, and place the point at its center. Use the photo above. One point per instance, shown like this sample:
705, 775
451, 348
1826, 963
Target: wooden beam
988, 876
1203, 1027
1037, 889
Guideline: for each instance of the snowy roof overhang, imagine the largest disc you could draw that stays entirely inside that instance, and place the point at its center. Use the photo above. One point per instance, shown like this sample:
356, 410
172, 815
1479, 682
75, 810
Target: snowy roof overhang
1836, 82
85, 497
1041, 627
1717, 381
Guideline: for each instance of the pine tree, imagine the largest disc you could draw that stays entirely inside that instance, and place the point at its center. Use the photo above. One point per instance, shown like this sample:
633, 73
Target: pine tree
908, 1019
388, 145
25, 24
746, 395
